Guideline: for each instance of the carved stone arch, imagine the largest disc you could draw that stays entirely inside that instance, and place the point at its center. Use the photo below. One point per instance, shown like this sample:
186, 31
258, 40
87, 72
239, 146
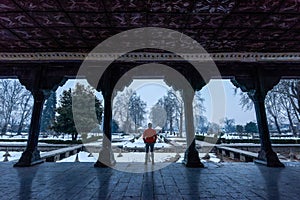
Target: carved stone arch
153, 71
117, 70
116, 78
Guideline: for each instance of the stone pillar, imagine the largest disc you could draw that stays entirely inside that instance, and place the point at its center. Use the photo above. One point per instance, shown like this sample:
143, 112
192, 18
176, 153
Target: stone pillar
191, 156
266, 154
106, 156
257, 89
31, 155
39, 81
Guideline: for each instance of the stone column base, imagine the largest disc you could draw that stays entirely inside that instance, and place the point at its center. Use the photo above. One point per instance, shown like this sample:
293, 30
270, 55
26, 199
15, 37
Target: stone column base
105, 159
29, 158
191, 159
269, 159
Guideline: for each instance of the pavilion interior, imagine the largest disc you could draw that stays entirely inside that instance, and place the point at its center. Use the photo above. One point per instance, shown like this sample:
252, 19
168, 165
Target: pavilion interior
255, 43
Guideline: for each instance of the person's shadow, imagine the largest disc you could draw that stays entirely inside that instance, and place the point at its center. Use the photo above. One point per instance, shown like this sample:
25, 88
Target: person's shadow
193, 178
104, 182
148, 186
26, 176
271, 177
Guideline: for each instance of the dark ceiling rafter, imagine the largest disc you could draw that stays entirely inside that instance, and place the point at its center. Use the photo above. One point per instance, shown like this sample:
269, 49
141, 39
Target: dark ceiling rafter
263, 19
71, 20
39, 25
223, 21
219, 25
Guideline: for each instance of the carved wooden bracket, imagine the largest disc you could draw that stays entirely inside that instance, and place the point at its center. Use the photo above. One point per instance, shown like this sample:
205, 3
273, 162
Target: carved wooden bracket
41, 80
258, 82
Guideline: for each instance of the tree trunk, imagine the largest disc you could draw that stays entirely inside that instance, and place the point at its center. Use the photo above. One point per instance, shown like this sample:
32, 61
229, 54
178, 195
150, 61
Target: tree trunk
181, 122
291, 122
127, 124
4, 128
277, 125
135, 125
297, 116
21, 124
20, 128
171, 125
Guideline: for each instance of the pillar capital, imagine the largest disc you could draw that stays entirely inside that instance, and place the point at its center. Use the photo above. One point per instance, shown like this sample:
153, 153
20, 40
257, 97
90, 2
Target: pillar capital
257, 84
40, 81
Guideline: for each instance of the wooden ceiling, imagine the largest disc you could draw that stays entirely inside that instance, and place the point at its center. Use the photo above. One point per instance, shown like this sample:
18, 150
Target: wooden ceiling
218, 25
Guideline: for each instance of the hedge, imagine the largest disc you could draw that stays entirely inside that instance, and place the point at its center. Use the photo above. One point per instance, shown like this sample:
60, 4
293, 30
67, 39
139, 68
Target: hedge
255, 141
51, 141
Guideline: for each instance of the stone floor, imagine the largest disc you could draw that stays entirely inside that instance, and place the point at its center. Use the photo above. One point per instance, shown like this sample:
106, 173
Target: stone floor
215, 181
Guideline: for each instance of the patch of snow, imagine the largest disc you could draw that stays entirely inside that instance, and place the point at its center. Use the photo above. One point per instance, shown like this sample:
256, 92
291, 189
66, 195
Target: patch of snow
82, 157
135, 157
14, 155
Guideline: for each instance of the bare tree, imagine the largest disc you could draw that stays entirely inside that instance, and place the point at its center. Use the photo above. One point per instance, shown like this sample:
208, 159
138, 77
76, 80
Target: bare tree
288, 112
172, 106
229, 125
137, 110
289, 94
121, 109
282, 103
12, 94
198, 110
25, 110
294, 94
245, 100
273, 108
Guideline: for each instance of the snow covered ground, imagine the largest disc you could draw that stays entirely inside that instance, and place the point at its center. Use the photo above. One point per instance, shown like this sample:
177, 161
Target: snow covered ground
139, 143
134, 157
123, 157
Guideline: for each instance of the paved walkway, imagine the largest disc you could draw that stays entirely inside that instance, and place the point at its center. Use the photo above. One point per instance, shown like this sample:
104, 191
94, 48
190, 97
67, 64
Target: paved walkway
215, 181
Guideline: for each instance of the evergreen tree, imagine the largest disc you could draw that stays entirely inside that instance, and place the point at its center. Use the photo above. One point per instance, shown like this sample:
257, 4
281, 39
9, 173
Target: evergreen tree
251, 127
48, 115
158, 116
64, 121
239, 128
172, 106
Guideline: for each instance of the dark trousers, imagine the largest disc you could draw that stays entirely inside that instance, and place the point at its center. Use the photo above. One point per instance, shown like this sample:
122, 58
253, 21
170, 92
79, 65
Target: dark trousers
151, 145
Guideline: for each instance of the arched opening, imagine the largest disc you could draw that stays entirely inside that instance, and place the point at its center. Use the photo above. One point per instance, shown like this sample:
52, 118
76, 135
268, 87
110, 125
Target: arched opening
215, 131
63, 129
171, 77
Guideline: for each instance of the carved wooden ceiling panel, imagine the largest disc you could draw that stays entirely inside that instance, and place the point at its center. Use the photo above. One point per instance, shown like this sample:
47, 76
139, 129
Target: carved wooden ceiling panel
218, 25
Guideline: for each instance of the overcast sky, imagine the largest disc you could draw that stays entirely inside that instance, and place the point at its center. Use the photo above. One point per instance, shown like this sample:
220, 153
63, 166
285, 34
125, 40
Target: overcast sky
219, 98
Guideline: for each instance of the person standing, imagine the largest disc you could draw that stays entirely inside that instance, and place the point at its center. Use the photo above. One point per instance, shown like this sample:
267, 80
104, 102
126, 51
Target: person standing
149, 137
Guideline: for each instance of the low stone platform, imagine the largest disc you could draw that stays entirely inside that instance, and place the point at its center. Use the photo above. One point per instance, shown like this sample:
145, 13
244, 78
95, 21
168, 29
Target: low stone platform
174, 181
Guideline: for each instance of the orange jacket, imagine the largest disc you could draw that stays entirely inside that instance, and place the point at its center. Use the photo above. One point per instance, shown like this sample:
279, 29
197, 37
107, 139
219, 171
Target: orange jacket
149, 135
